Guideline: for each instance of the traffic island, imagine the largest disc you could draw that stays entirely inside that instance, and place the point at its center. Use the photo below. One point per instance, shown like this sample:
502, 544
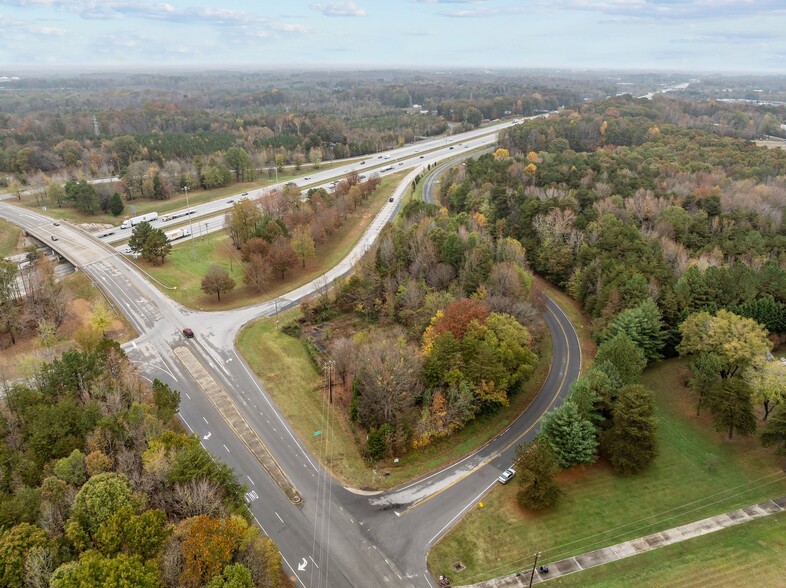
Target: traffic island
230, 413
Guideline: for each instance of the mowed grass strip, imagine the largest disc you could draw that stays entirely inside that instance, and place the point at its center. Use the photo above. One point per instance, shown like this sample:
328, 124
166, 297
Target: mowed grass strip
297, 388
738, 556
698, 473
9, 239
183, 272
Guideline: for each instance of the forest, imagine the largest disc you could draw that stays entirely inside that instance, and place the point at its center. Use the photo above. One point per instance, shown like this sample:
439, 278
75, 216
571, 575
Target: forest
161, 133
100, 486
672, 239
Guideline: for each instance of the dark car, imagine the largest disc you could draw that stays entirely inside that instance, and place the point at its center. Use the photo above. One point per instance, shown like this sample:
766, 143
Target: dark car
392, 199
188, 333
57, 224
54, 237
362, 163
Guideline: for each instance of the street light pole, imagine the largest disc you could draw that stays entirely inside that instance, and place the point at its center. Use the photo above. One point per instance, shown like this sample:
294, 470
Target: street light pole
190, 224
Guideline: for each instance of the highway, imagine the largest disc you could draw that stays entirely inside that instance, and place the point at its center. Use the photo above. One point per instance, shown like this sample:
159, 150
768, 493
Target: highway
209, 216
333, 537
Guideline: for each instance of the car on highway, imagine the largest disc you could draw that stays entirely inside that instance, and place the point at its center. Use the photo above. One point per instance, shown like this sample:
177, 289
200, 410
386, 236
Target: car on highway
451, 148
188, 333
391, 199
244, 194
506, 476
54, 237
106, 234
362, 163
231, 201
307, 178
57, 224
421, 157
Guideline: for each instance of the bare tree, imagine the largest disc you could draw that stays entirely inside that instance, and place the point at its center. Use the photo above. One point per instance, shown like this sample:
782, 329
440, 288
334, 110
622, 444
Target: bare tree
389, 376
343, 353
198, 497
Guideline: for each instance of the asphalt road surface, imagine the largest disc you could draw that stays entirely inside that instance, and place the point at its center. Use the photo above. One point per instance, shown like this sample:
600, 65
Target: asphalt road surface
335, 537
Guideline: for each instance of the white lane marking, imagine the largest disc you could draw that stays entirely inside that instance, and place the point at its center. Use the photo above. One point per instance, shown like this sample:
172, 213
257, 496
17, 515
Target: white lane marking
461, 512
250, 480
279, 517
227, 448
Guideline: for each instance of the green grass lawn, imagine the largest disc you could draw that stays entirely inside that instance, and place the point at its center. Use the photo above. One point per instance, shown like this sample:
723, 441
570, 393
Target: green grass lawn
739, 556
600, 508
182, 271
9, 239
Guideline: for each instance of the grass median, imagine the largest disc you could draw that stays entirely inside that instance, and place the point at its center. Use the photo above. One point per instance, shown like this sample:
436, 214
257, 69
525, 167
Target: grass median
176, 201
180, 276
698, 473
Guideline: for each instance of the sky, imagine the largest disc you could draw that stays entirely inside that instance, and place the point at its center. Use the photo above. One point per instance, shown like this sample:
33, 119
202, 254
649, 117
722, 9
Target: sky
736, 36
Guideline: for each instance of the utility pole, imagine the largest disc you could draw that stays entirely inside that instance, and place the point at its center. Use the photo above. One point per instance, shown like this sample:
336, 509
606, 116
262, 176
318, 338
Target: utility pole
190, 224
532, 574
331, 363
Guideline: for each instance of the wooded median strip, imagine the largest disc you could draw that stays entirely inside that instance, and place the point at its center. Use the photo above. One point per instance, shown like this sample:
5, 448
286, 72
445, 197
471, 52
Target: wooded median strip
230, 413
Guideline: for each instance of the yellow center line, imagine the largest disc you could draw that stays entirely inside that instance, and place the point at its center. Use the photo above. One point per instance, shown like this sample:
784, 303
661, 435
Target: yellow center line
517, 439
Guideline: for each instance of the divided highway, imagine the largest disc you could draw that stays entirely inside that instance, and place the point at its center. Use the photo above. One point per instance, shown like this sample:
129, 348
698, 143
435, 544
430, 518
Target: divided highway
334, 537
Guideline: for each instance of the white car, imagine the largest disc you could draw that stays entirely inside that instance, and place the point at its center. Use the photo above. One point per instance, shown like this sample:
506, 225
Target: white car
506, 476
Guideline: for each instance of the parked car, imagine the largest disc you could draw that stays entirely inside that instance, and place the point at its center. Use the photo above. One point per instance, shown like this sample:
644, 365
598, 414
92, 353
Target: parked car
506, 476
188, 333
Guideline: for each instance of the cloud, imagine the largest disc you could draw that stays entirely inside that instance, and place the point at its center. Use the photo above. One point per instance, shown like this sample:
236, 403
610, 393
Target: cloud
339, 9
27, 28
239, 21
482, 12
730, 38
670, 9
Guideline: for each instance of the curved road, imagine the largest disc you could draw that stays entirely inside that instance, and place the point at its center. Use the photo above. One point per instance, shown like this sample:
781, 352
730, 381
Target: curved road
334, 537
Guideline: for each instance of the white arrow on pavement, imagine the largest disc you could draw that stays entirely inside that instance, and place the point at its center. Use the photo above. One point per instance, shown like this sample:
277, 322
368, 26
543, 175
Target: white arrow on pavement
302, 565
207, 436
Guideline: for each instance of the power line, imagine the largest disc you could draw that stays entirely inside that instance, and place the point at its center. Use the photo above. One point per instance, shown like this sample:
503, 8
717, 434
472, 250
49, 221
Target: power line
562, 546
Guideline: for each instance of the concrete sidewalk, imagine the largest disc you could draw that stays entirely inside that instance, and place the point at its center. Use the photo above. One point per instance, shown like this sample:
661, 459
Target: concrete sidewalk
635, 546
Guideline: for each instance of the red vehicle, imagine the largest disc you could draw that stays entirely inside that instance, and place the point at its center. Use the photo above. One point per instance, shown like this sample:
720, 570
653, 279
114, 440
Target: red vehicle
188, 333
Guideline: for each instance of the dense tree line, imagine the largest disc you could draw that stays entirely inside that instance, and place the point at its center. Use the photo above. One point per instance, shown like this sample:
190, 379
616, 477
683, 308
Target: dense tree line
100, 487
448, 328
284, 229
